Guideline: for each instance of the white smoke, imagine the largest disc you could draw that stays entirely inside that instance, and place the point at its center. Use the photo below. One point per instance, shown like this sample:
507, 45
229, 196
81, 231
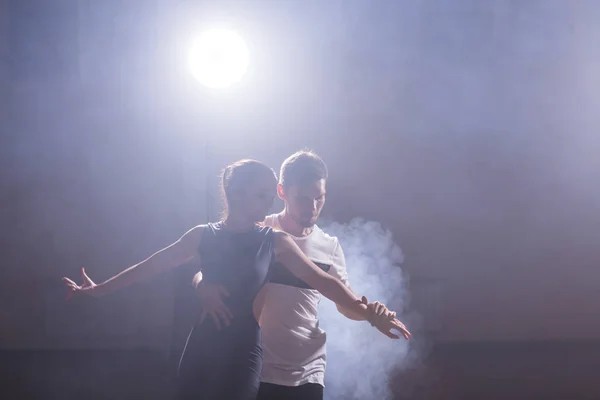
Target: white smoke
361, 360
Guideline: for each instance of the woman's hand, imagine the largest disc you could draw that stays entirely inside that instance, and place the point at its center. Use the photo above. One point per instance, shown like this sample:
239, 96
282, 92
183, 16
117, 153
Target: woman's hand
74, 289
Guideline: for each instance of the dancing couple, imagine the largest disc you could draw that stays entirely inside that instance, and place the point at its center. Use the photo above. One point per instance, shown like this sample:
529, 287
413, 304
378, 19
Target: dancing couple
260, 283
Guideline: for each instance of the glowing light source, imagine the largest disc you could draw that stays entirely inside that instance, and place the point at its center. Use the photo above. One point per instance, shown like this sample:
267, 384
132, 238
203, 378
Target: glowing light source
218, 58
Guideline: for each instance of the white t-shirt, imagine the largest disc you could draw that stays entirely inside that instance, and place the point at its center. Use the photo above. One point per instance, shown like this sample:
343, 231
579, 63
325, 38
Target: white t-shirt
293, 344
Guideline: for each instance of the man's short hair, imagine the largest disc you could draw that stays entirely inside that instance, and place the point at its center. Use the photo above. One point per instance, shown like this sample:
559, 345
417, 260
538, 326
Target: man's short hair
302, 167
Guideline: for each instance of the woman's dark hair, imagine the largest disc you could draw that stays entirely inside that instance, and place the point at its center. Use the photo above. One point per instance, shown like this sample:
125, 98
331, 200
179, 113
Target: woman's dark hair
240, 175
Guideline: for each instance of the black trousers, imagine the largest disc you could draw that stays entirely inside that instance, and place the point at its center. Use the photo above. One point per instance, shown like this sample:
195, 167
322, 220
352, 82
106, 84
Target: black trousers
308, 391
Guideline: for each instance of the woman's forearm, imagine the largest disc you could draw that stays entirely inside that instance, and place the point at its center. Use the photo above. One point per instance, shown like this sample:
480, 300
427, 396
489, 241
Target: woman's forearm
170, 257
128, 277
353, 314
290, 255
340, 294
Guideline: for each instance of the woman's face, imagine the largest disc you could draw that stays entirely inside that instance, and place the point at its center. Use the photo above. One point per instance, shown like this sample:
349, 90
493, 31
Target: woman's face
257, 199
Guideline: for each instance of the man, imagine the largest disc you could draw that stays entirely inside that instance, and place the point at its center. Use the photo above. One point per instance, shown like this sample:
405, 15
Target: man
287, 308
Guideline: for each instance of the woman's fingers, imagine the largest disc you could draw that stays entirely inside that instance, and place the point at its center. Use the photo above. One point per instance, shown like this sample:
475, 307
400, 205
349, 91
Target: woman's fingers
69, 282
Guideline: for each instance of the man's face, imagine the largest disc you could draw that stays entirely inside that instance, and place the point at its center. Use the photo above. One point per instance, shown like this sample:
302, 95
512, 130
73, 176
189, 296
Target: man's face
304, 202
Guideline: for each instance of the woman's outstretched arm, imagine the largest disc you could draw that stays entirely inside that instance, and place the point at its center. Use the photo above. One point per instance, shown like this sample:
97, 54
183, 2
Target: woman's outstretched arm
170, 257
289, 254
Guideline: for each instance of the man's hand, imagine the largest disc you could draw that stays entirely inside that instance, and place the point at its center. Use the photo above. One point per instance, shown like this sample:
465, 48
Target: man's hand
386, 326
211, 298
385, 320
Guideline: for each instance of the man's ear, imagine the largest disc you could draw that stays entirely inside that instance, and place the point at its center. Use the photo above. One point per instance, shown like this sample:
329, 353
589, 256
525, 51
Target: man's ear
280, 191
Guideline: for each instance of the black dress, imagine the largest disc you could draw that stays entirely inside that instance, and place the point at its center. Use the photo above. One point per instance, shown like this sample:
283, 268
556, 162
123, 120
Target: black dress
227, 364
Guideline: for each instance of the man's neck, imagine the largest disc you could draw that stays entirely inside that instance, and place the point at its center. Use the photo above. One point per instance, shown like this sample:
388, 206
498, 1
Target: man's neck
290, 226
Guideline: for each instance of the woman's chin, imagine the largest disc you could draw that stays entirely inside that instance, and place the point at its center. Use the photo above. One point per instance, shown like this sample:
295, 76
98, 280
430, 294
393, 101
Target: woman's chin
259, 219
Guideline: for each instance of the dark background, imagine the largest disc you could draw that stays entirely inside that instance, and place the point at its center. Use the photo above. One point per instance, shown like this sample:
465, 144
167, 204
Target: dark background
468, 128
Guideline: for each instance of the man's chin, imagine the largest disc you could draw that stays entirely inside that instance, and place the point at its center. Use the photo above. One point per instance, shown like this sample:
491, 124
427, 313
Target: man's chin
307, 223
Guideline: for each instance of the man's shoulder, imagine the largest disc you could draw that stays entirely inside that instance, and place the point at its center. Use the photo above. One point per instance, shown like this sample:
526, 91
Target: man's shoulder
334, 249
324, 237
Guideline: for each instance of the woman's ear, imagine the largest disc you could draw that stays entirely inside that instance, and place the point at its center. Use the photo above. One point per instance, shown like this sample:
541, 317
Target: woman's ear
280, 191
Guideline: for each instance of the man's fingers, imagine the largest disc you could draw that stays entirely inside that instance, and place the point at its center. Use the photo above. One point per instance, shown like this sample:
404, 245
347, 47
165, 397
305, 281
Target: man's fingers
223, 291
216, 321
364, 300
227, 312
223, 317
220, 307
226, 321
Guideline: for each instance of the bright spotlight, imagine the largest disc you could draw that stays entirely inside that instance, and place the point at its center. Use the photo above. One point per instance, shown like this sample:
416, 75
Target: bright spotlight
218, 58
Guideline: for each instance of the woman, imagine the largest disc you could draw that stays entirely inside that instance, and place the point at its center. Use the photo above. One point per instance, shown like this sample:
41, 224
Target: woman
235, 253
